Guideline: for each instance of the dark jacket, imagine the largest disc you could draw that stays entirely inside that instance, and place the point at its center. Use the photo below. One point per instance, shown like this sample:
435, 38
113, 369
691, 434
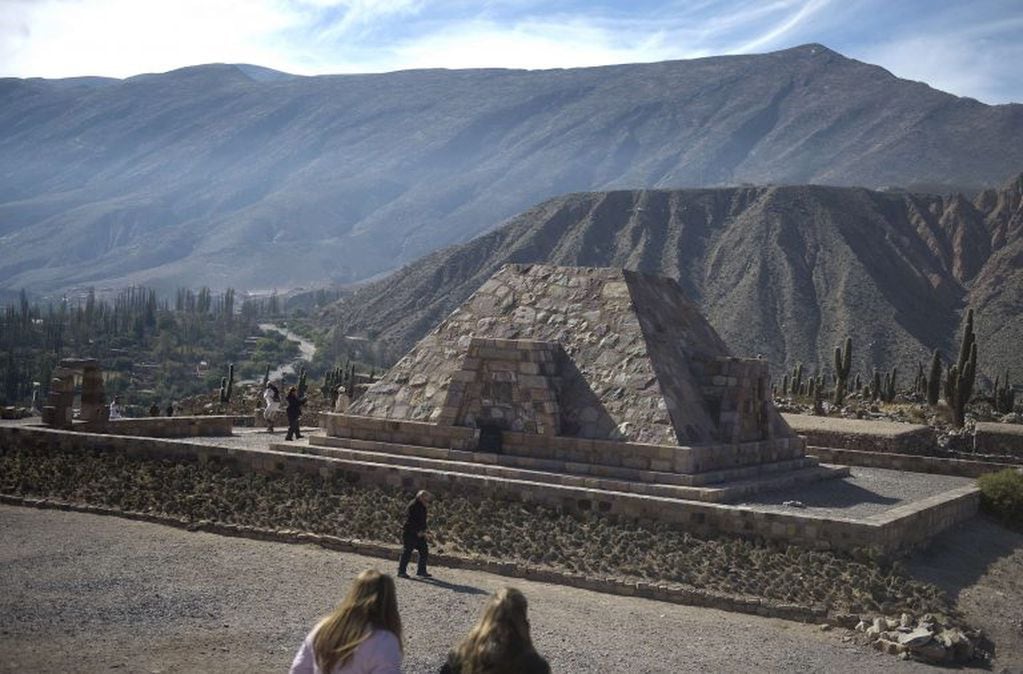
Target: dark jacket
295, 406
524, 662
415, 518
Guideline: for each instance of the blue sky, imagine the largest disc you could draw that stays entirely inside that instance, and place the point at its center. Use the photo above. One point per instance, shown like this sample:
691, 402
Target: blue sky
969, 48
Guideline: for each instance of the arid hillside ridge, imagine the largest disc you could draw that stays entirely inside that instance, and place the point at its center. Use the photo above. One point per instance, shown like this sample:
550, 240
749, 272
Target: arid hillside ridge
214, 175
785, 272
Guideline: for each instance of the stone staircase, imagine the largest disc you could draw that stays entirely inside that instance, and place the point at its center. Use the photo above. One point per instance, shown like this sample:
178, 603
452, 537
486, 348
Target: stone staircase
721, 486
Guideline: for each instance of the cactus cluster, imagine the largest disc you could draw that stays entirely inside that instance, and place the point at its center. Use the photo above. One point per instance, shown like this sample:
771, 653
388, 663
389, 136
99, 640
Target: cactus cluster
339, 376
888, 392
1004, 395
961, 376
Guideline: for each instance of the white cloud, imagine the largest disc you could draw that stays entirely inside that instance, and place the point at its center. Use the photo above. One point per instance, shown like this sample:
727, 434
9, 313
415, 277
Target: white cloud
968, 53
796, 17
963, 64
60, 38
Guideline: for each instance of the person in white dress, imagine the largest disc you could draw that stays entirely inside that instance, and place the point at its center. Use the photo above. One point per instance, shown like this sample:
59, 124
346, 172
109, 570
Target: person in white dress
272, 398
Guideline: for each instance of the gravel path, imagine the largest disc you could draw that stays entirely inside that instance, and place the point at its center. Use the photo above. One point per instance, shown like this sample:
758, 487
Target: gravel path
89, 593
865, 493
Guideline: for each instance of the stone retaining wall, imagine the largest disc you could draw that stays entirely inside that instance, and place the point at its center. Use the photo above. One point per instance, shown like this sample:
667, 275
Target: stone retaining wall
636, 455
399, 431
908, 462
995, 439
167, 427
886, 535
867, 436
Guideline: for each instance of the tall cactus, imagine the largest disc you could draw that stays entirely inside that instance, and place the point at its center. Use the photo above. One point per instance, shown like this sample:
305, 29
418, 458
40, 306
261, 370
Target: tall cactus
797, 380
266, 376
1005, 395
875, 390
301, 383
888, 394
843, 363
962, 375
227, 385
325, 388
934, 379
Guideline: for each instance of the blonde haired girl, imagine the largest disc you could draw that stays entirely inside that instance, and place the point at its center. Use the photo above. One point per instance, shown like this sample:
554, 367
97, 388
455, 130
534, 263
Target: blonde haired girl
362, 635
499, 643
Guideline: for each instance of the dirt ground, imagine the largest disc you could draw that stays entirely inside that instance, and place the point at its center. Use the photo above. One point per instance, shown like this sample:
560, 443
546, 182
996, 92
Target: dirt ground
90, 593
980, 565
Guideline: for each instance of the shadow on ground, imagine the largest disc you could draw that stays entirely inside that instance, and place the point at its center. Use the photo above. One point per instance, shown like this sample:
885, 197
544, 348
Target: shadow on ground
958, 558
454, 587
825, 494
980, 565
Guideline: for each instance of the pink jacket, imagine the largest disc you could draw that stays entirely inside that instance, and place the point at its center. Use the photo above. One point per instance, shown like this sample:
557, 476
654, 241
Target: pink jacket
380, 653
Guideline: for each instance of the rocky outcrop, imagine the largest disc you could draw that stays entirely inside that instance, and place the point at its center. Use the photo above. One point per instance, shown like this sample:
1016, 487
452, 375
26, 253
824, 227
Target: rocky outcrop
785, 272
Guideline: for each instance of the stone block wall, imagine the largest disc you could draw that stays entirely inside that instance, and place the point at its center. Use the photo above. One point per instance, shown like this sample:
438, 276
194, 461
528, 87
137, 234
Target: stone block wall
166, 427
399, 431
57, 411
869, 436
914, 463
998, 439
891, 532
736, 390
510, 384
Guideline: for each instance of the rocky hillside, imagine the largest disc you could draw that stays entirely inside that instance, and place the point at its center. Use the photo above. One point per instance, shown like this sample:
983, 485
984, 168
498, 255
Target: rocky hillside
786, 272
227, 175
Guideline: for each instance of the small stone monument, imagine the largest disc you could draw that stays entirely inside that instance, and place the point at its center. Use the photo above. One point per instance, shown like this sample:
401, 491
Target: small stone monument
60, 401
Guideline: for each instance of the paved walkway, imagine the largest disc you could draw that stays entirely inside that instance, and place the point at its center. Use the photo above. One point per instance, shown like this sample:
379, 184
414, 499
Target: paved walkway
89, 593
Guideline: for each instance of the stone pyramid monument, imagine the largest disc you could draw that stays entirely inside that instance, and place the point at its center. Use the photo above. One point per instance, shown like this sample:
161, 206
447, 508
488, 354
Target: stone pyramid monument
576, 386
581, 352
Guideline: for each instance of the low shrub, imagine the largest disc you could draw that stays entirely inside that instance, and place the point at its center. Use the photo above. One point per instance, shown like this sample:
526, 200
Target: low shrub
1001, 496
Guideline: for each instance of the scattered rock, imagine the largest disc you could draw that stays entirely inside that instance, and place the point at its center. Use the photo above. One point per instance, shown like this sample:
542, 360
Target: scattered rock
932, 651
917, 637
794, 504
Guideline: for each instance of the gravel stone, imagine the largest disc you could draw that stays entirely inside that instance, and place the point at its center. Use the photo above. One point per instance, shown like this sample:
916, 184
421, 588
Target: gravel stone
89, 593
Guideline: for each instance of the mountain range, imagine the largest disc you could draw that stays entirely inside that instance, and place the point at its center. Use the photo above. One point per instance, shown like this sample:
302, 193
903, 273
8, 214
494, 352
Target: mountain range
786, 272
228, 175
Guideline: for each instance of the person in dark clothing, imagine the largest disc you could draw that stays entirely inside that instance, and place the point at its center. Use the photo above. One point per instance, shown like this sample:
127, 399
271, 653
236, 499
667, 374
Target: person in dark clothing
499, 643
154, 410
294, 413
170, 409
413, 536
